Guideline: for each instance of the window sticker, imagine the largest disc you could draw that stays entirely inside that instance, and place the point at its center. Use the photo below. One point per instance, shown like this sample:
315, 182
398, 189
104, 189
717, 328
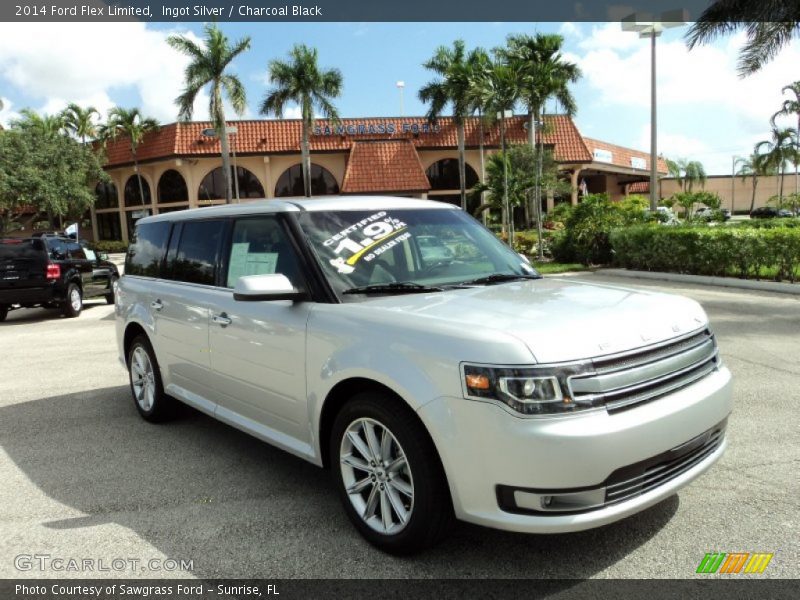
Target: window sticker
243, 262
364, 240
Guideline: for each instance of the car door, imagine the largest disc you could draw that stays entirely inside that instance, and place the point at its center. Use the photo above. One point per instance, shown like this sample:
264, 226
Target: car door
79, 262
101, 272
184, 301
258, 348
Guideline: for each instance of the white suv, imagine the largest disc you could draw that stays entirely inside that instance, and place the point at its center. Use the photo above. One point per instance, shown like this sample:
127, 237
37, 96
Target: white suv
467, 387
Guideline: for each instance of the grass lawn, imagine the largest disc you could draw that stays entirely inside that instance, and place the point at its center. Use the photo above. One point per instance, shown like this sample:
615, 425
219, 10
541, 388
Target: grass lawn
550, 268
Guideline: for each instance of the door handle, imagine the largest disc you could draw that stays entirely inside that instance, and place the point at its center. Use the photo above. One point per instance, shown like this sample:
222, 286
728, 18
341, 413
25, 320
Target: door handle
157, 305
222, 319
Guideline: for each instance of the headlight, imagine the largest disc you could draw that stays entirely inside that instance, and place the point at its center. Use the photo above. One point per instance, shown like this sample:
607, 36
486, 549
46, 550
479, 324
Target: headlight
528, 390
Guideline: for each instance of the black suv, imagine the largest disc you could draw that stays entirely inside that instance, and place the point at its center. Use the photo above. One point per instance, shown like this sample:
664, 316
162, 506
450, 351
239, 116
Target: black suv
52, 271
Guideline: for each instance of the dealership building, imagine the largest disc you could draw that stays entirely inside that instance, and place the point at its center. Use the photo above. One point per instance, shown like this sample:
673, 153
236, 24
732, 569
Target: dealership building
180, 165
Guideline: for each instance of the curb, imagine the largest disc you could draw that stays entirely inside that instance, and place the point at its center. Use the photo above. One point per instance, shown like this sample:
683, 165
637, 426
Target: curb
745, 284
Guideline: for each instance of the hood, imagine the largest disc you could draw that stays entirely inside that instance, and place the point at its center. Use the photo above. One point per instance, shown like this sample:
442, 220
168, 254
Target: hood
558, 320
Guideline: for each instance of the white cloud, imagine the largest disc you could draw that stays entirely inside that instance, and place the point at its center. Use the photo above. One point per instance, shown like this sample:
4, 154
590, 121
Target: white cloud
88, 64
7, 113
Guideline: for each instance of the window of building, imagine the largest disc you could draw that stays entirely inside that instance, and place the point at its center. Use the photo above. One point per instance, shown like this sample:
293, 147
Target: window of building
213, 185
106, 195
133, 195
146, 252
131, 216
172, 187
196, 257
290, 183
443, 175
260, 246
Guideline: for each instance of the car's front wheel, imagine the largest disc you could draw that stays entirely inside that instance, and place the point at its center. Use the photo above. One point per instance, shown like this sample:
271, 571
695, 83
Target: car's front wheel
145, 379
388, 474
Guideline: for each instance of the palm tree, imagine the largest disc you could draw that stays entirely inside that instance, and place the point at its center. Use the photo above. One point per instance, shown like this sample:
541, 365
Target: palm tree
544, 75
48, 125
687, 173
480, 96
755, 166
779, 150
301, 81
770, 25
79, 121
791, 107
452, 86
207, 67
129, 123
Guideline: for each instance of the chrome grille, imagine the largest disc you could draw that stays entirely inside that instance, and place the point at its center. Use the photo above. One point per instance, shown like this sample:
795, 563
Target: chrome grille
639, 479
625, 380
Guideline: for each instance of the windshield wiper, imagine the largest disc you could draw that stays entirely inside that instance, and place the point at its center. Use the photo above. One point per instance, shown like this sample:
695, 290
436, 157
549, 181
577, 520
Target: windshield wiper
499, 278
398, 287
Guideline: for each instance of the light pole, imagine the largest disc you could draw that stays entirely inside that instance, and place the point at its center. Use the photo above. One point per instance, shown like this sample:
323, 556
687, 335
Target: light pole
400, 85
648, 27
734, 158
230, 131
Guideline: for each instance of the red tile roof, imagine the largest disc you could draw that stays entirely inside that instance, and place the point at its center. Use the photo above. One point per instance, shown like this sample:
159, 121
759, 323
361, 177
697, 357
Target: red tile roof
639, 187
384, 166
621, 156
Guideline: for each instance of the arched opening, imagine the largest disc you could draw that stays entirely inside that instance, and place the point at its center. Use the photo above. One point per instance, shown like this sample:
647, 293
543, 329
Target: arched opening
172, 188
213, 185
106, 195
132, 191
290, 183
443, 175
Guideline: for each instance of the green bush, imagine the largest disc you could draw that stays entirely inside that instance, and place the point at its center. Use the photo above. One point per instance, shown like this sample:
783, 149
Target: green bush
778, 223
110, 246
746, 252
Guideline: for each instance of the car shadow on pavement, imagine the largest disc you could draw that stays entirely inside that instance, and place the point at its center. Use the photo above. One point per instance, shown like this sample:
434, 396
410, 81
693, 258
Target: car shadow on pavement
24, 316
196, 489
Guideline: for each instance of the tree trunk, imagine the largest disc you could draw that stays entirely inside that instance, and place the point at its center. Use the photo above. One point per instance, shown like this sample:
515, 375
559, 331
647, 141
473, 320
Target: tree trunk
138, 178
508, 221
462, 174
222, 132
306, 158
753, 199
783, 172
538, 199
483, 161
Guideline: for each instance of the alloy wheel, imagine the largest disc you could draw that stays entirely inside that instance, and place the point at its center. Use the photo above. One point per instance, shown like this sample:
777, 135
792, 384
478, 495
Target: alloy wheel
143, 379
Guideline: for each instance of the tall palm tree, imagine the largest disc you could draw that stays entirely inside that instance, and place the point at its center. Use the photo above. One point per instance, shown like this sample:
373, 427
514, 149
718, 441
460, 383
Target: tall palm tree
770, 26
131, 124
301, 81
480, 98
756, 165
207, 68
687, 173
792, 107
48, 125
452, 86
80, 121
504, 90
780, 149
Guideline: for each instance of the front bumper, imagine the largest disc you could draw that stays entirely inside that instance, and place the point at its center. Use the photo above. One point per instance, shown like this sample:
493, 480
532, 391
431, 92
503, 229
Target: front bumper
483, 448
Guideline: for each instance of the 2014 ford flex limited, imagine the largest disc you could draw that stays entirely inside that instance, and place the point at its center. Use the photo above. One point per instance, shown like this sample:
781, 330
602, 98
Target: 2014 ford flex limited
456, 383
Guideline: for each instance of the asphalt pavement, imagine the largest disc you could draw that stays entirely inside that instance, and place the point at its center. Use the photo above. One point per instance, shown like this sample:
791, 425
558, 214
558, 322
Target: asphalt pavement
82, 476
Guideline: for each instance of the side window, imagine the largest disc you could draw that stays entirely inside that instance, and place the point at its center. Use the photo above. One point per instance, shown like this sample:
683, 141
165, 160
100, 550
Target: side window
56, 249
197, 252
146, 252
261, 246
90, 254
75, 251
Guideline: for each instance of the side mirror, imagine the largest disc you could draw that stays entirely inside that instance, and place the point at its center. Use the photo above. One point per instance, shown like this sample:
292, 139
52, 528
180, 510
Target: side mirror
274, 286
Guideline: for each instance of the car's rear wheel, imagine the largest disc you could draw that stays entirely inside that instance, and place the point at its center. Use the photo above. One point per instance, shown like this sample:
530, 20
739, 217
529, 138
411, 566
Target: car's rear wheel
388, 474
73, 301
110, 294
3, 312
146, 386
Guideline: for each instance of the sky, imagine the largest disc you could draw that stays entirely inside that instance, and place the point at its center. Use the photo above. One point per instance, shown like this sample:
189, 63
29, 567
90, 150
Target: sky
705, 111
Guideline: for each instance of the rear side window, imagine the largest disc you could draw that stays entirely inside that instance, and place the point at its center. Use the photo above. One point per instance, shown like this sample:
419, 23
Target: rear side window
57, 249
146, 253
75, 251
196, 257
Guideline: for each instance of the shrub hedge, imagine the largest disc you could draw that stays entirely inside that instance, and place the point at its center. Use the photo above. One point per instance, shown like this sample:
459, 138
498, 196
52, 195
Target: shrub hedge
110, 246
746, 252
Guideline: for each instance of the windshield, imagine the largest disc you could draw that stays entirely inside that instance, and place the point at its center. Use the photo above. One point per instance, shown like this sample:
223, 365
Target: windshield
423, 249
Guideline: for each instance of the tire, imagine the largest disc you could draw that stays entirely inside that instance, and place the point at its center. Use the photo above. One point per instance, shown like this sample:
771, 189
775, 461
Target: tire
3, 312
147, 389
110, 296
407, 506
73, 301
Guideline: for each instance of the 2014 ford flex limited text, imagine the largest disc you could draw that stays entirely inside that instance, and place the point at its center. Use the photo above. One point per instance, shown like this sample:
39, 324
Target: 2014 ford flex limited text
457, 383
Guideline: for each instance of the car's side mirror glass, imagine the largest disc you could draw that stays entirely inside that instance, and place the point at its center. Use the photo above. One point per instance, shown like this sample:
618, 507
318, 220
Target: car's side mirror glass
273, 286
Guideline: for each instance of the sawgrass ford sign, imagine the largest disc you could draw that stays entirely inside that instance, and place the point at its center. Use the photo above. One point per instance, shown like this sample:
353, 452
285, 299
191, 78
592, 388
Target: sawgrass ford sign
379, 128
